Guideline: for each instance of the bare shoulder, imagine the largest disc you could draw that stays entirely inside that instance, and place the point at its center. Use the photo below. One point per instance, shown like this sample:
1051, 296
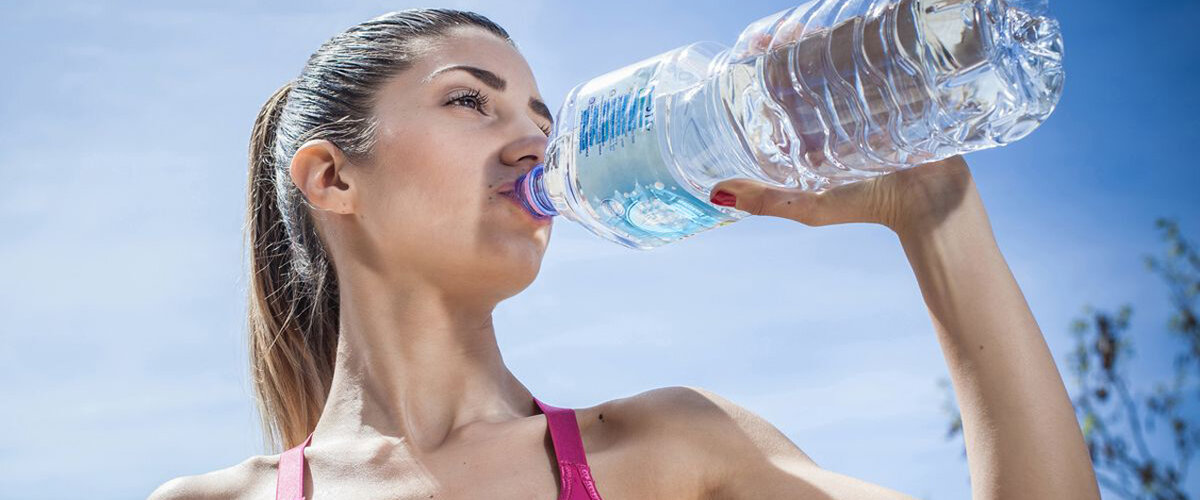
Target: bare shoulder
733, 452
682, 434
697, 415
252, 478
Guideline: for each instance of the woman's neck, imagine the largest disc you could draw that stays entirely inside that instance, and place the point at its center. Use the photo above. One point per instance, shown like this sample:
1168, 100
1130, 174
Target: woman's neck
422, 367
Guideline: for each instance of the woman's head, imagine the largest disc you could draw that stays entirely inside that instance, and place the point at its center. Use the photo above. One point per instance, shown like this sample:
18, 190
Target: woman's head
384, 157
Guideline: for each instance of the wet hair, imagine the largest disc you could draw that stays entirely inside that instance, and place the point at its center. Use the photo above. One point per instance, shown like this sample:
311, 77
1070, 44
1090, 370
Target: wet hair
293, 294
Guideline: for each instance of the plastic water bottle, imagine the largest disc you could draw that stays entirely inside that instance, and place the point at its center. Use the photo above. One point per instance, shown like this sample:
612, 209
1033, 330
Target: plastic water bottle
835, 91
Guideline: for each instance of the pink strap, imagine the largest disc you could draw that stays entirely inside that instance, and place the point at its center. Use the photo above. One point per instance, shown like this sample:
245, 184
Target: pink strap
564, 433
289, 481
568, 448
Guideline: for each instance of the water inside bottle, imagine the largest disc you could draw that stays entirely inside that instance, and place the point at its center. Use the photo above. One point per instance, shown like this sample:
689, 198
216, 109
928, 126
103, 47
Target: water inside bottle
622, 173
902, 84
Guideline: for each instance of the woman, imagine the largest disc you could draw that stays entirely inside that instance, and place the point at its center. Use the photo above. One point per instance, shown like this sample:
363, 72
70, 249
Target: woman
382, 239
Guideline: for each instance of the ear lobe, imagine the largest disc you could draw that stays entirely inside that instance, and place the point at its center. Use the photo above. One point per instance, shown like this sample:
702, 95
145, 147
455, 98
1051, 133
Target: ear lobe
318, 170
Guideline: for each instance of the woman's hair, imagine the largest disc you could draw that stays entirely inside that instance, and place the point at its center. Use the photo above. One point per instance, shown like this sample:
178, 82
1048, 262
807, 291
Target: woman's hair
293, 291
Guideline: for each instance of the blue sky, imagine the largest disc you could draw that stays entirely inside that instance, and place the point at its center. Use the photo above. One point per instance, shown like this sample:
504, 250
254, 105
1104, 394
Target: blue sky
122, 150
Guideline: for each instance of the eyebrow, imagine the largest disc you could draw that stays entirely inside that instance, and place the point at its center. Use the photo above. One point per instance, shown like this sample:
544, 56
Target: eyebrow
494, 81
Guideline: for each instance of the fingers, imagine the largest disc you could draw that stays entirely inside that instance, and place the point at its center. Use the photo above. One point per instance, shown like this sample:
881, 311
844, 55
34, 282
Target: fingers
789, 32
854, 202
859, 201
759, 198
760, 43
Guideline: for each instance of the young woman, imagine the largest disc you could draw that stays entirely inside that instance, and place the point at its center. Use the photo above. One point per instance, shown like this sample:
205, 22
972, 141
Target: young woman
383, 237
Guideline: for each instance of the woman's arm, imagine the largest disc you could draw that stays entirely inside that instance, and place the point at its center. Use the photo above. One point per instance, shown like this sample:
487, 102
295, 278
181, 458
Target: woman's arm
1019, 425
1018, 422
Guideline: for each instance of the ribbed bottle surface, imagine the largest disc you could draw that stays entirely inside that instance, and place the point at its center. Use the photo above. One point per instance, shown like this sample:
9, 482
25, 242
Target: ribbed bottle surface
823, 94
848, 90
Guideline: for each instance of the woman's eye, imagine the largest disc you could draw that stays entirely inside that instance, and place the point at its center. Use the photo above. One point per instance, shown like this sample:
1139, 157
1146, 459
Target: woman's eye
466, 99
475, 97
480, 101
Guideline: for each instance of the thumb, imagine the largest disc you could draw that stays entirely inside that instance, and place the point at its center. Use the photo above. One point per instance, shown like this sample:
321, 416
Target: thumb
760, 198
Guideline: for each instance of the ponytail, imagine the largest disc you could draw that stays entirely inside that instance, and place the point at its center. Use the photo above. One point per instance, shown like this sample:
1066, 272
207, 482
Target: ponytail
292, 324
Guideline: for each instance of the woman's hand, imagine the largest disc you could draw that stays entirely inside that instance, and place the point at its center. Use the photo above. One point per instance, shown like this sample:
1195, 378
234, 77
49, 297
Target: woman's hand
913, 199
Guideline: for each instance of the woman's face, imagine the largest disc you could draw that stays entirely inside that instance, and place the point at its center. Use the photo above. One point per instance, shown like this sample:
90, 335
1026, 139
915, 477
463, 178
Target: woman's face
448, 142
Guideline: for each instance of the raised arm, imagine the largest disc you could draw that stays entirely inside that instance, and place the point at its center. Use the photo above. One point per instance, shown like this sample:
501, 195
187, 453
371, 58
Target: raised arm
1022, 439
1018, 423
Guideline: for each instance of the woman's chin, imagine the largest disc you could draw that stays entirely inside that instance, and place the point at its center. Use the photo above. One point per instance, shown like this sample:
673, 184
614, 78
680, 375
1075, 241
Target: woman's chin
508, 277
516, 248
522, 238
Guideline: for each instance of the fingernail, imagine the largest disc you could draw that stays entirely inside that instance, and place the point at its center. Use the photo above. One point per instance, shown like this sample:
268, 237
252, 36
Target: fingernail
723, 198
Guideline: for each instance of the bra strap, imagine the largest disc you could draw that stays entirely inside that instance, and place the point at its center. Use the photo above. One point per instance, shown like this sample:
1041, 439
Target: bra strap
564, 431
289, 482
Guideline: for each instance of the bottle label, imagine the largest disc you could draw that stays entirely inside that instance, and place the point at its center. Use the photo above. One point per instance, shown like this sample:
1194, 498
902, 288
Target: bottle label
620, 168
613, 119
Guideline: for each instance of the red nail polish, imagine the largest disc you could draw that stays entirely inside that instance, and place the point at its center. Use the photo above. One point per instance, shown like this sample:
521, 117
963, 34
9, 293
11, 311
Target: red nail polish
723, 198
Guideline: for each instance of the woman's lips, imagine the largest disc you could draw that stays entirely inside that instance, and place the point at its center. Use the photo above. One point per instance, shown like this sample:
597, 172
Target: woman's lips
512, 196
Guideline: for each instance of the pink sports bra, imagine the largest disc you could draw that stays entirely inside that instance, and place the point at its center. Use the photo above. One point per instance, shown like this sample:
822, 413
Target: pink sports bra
577, 482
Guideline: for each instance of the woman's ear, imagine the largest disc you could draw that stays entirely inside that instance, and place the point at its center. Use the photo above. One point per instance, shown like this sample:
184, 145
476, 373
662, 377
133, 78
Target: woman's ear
319, 170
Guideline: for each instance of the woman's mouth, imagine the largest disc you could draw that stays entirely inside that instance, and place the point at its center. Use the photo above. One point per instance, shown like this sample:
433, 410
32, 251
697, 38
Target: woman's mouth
512, 197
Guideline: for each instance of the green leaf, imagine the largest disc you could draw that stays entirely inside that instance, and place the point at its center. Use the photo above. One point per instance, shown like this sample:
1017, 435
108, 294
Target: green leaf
1089, 424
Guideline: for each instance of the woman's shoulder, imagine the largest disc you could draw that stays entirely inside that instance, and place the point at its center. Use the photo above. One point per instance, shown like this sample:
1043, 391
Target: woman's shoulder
654, 410
254, 477
687, 429
676, 408
712, 421
641, 415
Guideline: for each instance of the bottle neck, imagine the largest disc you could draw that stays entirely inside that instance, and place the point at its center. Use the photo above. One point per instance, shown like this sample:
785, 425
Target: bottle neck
530, 188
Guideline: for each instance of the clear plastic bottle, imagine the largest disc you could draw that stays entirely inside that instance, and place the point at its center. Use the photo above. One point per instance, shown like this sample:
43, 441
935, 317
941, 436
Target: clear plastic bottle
835, 91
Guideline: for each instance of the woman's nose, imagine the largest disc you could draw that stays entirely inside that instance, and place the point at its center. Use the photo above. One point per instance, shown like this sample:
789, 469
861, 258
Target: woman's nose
527, 151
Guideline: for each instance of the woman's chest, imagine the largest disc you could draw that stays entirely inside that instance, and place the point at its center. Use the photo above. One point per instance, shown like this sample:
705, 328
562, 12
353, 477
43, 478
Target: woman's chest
517, 463
527, 467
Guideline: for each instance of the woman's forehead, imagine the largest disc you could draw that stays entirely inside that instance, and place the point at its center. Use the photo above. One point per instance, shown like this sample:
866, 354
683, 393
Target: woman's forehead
476, 48
475, 56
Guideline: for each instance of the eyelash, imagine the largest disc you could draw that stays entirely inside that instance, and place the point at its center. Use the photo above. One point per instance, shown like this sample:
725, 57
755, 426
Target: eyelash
481, 101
